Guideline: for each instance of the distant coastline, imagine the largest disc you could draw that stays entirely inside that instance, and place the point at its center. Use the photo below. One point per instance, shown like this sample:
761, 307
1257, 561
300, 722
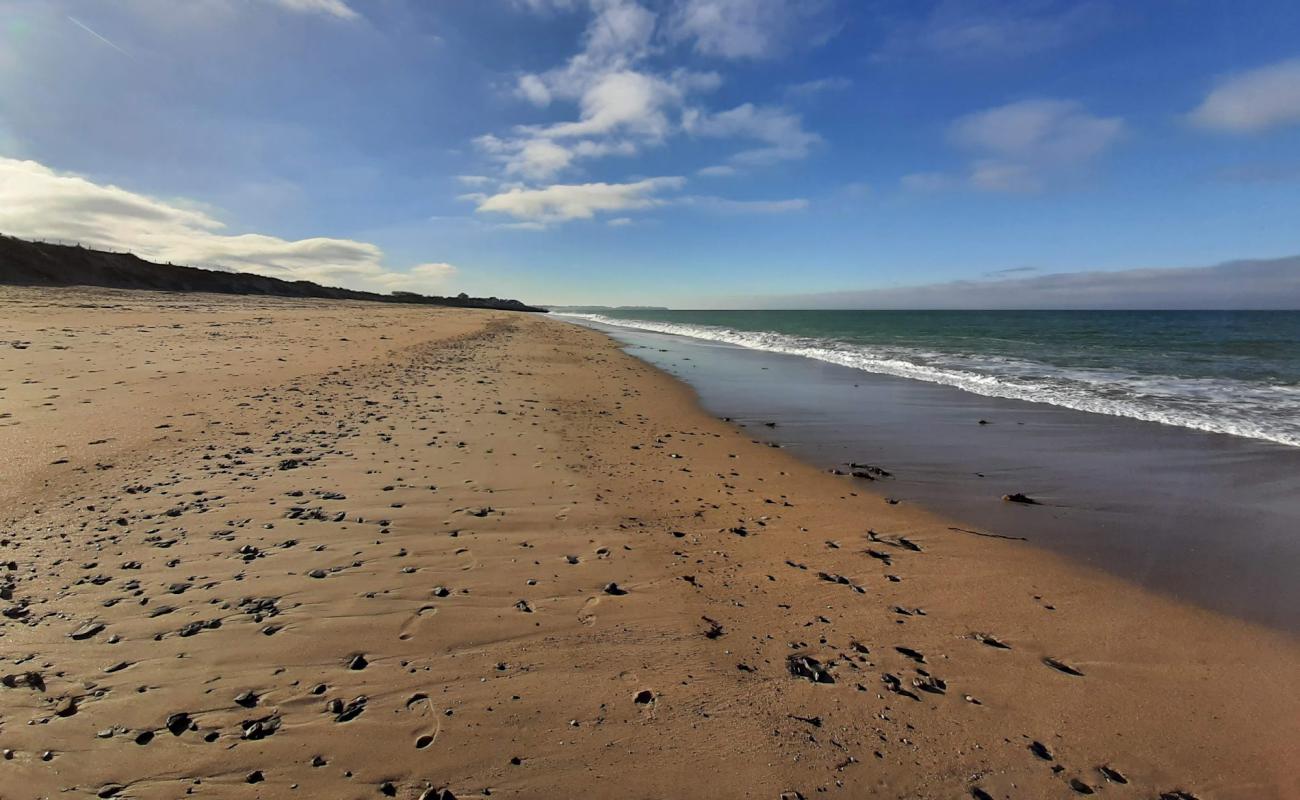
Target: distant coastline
30, 263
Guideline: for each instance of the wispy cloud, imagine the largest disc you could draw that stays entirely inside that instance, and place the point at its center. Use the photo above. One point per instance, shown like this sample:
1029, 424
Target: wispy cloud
332, 8
1010, 272
1018, 147
40, 203
780, 132
98, 36
1253, 101
750, 29
819, 86
726, 205
966, 30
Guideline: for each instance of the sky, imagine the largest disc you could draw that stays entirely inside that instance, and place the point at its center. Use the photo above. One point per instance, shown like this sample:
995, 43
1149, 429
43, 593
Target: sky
688, 153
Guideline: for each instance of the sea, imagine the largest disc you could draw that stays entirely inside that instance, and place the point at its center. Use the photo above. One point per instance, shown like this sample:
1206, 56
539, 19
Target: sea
1232, 372
1162, 446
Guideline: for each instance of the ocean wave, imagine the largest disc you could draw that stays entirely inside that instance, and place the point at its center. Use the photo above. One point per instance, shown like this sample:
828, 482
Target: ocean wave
1254, 410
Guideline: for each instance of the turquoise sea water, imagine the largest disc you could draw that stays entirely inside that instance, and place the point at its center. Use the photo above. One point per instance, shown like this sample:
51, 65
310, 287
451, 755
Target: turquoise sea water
1231, 372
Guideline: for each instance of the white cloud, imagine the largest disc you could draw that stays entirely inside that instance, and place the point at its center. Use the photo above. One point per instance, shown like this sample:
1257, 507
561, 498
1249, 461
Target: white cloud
620, 105
619, 222
417, 278
474, 180
717, 171
748, 29
333, 8
623, 101
37, 202
624, 106
780, 131
538, 159
564, 202
1055, 131
533, 89
1253, 101
1020, 146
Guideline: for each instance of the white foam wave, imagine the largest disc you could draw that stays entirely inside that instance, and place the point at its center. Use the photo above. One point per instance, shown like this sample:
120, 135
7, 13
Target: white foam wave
1239, 408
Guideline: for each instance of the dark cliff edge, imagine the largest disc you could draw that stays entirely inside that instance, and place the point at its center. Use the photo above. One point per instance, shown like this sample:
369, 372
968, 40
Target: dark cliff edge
27, 263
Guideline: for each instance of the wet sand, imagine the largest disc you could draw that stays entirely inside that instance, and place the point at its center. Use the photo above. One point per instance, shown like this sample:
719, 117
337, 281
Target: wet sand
263, 548
1209, 518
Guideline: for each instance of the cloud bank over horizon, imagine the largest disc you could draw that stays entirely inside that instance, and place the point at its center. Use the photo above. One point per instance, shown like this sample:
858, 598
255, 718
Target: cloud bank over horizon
37, 202
1251, 284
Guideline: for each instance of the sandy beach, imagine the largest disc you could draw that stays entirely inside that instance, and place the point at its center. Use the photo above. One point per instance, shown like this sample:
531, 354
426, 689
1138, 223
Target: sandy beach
259, 547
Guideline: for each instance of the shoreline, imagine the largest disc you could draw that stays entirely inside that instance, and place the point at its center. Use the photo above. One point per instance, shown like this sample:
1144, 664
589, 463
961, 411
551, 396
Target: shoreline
524, 466
1211, 521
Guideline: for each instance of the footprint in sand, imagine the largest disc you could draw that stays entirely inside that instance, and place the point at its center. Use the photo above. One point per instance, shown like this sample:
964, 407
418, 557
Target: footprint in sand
586, 615
412, 622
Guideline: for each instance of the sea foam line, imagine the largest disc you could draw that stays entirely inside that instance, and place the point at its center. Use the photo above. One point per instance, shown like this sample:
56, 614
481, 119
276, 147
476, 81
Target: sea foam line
1214, 406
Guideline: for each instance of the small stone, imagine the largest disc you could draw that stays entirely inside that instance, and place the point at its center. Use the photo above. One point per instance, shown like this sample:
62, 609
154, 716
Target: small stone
178, 723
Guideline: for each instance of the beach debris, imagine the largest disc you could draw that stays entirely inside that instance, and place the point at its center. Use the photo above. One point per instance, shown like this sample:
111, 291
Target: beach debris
523, 606
990, 640
929, 683
1178, 794
808, 668
30, 679
358, 661
254, 729
1018, 497
1111, 774
988, 535
915, 655
1080, 787
86, 630
979, 794
715, 629
1061, 666
614, 589
1039, 749
885, 558
872, 470
643, 697
347, 712
66, 707
894, 684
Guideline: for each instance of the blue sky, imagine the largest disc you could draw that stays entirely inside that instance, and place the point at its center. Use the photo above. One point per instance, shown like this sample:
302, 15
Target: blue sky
612, 151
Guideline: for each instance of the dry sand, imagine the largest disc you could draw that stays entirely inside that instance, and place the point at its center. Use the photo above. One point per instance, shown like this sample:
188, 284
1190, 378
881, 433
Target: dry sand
278, 548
